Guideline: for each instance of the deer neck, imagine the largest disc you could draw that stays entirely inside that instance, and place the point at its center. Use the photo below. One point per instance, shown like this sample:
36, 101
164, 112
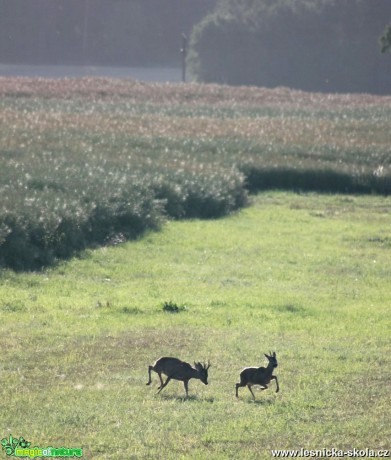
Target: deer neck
194, 374
269, 369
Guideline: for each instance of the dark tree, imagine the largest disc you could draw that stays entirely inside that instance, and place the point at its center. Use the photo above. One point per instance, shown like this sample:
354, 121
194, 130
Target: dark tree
326, 45
385, 40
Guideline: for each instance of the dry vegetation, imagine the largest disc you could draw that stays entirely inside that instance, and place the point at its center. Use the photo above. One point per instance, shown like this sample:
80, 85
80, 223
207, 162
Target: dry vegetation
194, 94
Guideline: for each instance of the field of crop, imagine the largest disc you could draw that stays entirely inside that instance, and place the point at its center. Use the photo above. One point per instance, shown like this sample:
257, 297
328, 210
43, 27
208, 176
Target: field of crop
84, 162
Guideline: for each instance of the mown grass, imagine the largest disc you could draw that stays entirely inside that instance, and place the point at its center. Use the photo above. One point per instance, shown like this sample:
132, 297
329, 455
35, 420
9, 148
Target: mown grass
90, 161
302, 274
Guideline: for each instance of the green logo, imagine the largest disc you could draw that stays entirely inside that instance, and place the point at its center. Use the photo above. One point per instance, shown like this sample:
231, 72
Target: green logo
10, 445
19, 447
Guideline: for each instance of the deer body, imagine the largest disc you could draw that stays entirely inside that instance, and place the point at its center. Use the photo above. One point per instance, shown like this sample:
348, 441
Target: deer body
176, 369
259, 375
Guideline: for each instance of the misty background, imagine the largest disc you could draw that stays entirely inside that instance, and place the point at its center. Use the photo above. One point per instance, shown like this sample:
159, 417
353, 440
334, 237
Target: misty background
314, 45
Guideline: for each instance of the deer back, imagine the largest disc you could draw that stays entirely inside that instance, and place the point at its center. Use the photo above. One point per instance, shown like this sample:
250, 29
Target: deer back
174, 367
181, 370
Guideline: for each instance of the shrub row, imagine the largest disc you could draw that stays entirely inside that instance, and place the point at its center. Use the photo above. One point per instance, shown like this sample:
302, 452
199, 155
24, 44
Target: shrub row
42, 221
55, 211
327, 180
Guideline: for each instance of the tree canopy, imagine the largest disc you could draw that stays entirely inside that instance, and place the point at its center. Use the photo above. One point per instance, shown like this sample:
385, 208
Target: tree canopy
323, 45
385, 40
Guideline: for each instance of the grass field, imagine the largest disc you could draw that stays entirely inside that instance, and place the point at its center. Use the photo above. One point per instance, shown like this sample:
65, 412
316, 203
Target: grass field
305, 275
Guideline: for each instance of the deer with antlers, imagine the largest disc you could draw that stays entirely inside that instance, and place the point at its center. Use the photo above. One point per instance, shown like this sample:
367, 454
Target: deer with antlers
176, 369
259, 375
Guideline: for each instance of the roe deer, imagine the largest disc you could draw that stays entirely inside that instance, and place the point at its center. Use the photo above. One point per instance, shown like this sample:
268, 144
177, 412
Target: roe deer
259, 375
176, 369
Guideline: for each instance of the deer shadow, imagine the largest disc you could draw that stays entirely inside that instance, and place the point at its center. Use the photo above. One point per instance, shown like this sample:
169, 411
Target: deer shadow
183, 399
261, 402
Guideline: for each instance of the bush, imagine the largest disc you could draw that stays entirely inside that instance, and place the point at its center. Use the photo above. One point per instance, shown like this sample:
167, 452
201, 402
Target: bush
171, 307
47, 227
326, 180
86, 205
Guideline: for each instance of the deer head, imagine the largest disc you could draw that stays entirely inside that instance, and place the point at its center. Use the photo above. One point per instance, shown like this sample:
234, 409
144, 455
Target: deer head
203, 371
272, 358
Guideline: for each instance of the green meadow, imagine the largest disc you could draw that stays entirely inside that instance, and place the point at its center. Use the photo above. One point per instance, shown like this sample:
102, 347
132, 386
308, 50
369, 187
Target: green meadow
304, 275
261, 218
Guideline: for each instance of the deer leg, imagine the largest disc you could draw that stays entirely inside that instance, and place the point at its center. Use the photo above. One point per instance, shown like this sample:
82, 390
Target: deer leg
161, 380
164, 384
237, 386
251, 391
150, 368
273, 377
186, 384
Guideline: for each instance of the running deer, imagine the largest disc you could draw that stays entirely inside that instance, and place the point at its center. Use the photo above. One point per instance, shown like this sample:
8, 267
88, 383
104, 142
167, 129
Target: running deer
259, 375
176, 369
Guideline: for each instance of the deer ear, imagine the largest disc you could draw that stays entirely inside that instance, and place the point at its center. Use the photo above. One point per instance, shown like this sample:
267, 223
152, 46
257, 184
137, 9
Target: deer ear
266, 356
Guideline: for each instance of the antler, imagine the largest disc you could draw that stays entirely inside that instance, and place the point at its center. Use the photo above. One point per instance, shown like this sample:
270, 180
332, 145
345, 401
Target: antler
204, 365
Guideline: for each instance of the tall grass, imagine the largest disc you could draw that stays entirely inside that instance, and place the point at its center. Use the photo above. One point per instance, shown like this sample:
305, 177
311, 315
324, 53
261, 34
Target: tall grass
91, 161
